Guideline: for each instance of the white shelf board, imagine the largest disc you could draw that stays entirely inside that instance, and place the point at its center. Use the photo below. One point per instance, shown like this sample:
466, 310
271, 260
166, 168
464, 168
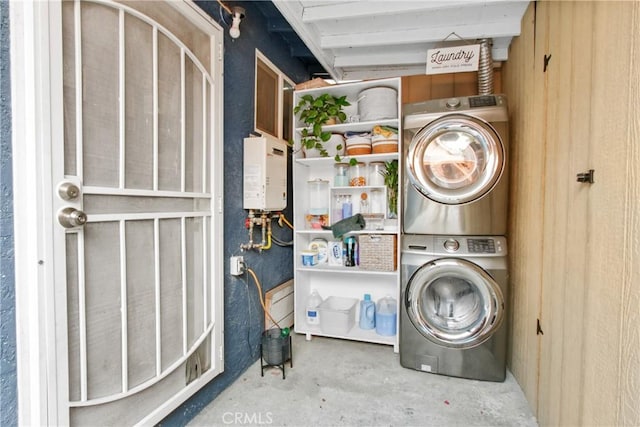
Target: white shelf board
355, 233
325, 268
356, 188
313, 231
355, 334
317, 161
354, 126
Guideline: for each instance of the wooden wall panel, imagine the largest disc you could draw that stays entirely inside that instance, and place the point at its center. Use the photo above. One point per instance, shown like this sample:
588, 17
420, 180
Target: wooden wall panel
497, 80
611, 389
416, 88
554, 216
566, 232
629, 380
465, 84
442, 86
526, 160
577, 78
424, 87
589, 365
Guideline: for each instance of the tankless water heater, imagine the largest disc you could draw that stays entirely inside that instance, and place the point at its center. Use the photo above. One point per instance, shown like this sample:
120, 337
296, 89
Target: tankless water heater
265, 173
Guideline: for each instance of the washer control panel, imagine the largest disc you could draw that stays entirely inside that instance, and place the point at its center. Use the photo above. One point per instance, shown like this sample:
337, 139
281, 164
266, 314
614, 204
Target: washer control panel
458, 246
481, 246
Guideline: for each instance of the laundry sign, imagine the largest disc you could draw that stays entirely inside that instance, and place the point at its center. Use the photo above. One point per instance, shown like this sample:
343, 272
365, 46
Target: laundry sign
456, 59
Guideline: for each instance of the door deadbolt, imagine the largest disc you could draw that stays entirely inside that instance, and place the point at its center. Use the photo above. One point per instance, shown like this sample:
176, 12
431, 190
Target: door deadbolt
68, 191
71, 217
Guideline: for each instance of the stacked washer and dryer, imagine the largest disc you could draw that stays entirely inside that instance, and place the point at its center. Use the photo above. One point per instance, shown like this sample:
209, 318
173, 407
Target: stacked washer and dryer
454, 251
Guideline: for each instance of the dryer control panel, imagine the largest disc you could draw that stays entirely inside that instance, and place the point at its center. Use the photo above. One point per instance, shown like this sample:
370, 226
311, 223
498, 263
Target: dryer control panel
482, 101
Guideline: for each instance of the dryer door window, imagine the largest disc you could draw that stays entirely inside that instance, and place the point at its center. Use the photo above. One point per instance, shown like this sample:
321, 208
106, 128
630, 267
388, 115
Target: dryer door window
456, 159
454, 303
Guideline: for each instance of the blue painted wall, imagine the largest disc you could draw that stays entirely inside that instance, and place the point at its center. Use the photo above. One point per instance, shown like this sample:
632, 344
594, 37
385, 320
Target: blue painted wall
8, 392
243, 314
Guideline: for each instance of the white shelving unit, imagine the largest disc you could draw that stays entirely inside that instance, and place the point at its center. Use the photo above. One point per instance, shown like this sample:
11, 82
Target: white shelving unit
341, 281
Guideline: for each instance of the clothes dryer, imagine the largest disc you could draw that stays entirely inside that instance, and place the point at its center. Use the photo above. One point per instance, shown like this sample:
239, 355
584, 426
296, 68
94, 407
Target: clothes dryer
453, 308
455, 158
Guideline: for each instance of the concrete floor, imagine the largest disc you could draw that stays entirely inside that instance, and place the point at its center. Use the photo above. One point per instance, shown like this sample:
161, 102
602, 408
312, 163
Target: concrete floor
346, 383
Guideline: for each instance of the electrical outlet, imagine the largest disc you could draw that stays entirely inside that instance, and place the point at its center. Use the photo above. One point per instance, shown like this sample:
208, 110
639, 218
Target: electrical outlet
236, 266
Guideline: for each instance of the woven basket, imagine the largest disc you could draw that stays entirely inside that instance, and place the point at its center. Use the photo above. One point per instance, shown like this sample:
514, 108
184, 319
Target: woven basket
358, 145
384, 146
378, 252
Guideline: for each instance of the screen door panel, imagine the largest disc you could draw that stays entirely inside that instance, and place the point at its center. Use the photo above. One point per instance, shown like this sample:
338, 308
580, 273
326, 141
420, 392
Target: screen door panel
193, 127
169, 115
195, 273
69, 84
73, 317
170, 291
138, 88
102, 309
137, 143
100, 95
141, 304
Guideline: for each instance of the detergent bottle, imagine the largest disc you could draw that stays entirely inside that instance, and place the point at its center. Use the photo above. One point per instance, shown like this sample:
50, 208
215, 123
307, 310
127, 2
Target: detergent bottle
367, 313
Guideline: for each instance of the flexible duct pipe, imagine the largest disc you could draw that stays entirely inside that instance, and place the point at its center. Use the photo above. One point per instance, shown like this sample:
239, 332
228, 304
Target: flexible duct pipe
485, 68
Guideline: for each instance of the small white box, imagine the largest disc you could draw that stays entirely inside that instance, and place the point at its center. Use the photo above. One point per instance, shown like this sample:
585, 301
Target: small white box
337, 315
334, 253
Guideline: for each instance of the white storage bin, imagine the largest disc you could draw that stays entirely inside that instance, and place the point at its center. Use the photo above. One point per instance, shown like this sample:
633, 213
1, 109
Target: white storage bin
378, 103
337, 315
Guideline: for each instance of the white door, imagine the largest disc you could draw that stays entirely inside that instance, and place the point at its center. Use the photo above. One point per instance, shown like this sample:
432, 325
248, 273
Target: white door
135, 189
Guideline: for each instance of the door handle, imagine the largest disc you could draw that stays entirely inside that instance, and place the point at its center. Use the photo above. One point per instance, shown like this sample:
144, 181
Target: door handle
71, 217
586, 176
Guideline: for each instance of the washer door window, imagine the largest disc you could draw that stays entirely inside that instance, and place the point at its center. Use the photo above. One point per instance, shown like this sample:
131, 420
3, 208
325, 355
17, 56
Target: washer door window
456, 159
454, 303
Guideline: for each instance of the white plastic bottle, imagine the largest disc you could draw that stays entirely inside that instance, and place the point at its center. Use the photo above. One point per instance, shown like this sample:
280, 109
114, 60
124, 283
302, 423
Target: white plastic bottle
386, 316
312, 313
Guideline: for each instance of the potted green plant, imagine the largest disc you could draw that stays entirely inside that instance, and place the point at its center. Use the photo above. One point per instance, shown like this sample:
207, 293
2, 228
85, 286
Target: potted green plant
316, 112
391, 182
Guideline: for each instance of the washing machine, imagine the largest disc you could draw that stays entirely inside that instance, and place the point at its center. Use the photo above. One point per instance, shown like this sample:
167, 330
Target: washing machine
453, 307
455, 158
